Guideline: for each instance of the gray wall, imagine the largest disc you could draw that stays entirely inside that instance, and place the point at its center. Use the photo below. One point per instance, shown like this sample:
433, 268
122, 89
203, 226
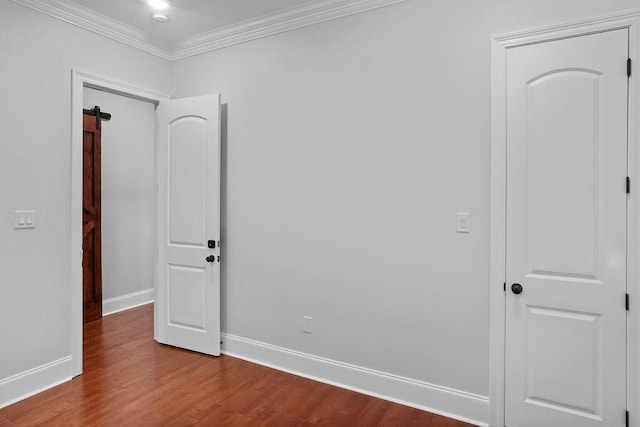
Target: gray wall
351, 146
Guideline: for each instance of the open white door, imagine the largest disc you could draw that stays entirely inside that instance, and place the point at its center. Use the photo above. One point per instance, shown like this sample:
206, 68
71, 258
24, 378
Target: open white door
188, 291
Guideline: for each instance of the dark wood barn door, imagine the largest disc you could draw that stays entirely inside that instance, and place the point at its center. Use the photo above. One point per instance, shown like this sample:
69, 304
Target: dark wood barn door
91, 220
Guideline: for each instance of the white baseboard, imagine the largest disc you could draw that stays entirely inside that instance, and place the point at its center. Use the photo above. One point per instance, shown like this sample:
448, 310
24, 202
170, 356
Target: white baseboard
125, 302
460, 405
34, 381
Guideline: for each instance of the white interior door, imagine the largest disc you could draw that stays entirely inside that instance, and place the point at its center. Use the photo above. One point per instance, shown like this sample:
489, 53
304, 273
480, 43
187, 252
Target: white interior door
566, 232
188, 291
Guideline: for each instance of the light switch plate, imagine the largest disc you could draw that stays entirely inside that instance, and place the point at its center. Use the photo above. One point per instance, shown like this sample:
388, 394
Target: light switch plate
306, 326
463, 222
24, 219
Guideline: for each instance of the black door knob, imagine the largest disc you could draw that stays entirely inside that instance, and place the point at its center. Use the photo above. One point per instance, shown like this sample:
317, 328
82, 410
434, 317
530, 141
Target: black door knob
211, 258
516, 288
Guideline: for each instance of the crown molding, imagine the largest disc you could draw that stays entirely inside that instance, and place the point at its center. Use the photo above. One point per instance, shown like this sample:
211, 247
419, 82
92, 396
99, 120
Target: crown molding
308, 13
97, 23
532, 36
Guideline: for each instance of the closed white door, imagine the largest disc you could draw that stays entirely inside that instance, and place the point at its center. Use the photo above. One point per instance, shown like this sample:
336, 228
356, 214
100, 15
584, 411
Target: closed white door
566, 232
188, 291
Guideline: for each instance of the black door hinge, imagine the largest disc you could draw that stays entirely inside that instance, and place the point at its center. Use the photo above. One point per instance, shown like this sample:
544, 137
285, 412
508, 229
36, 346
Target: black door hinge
626, 302
628, 67
626, 419
504, 286
628, 185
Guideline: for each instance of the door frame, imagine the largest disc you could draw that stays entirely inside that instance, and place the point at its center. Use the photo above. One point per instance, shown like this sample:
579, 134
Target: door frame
497, 251
79, 81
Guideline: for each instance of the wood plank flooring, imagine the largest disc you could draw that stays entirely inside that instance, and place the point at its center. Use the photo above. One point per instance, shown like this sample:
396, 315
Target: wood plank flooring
131, 380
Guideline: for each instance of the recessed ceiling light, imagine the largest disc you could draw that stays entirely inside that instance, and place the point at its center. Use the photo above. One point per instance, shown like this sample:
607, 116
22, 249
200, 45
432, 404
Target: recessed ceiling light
160, 17
158, 4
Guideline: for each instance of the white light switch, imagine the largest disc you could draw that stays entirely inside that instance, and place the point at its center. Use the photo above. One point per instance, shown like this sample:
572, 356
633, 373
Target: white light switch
306, 326
24, 219
464, 222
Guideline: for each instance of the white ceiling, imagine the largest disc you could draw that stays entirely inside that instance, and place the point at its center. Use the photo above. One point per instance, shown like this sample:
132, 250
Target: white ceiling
186, 17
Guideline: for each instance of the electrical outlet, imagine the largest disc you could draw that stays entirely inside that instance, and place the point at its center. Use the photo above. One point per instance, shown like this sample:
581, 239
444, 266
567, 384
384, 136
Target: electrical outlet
306, 324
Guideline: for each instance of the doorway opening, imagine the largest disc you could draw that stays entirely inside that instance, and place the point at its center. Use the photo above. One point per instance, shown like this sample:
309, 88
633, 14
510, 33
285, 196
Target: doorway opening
119, 205
123, 209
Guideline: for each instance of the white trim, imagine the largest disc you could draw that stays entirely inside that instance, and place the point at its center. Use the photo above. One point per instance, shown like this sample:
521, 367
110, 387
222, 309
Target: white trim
633, 233
497, 234
80, 80
98, 23
34, 381
125, 302
570, 29
457, 404
500, 45
303, 15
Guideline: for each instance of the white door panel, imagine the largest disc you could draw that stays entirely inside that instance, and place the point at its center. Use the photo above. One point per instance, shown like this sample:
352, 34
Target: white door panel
187, 181
188, 298
566, 232
186, 287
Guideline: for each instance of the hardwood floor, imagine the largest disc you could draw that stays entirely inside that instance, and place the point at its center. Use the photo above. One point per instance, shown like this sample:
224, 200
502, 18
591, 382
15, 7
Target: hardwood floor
129, 379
